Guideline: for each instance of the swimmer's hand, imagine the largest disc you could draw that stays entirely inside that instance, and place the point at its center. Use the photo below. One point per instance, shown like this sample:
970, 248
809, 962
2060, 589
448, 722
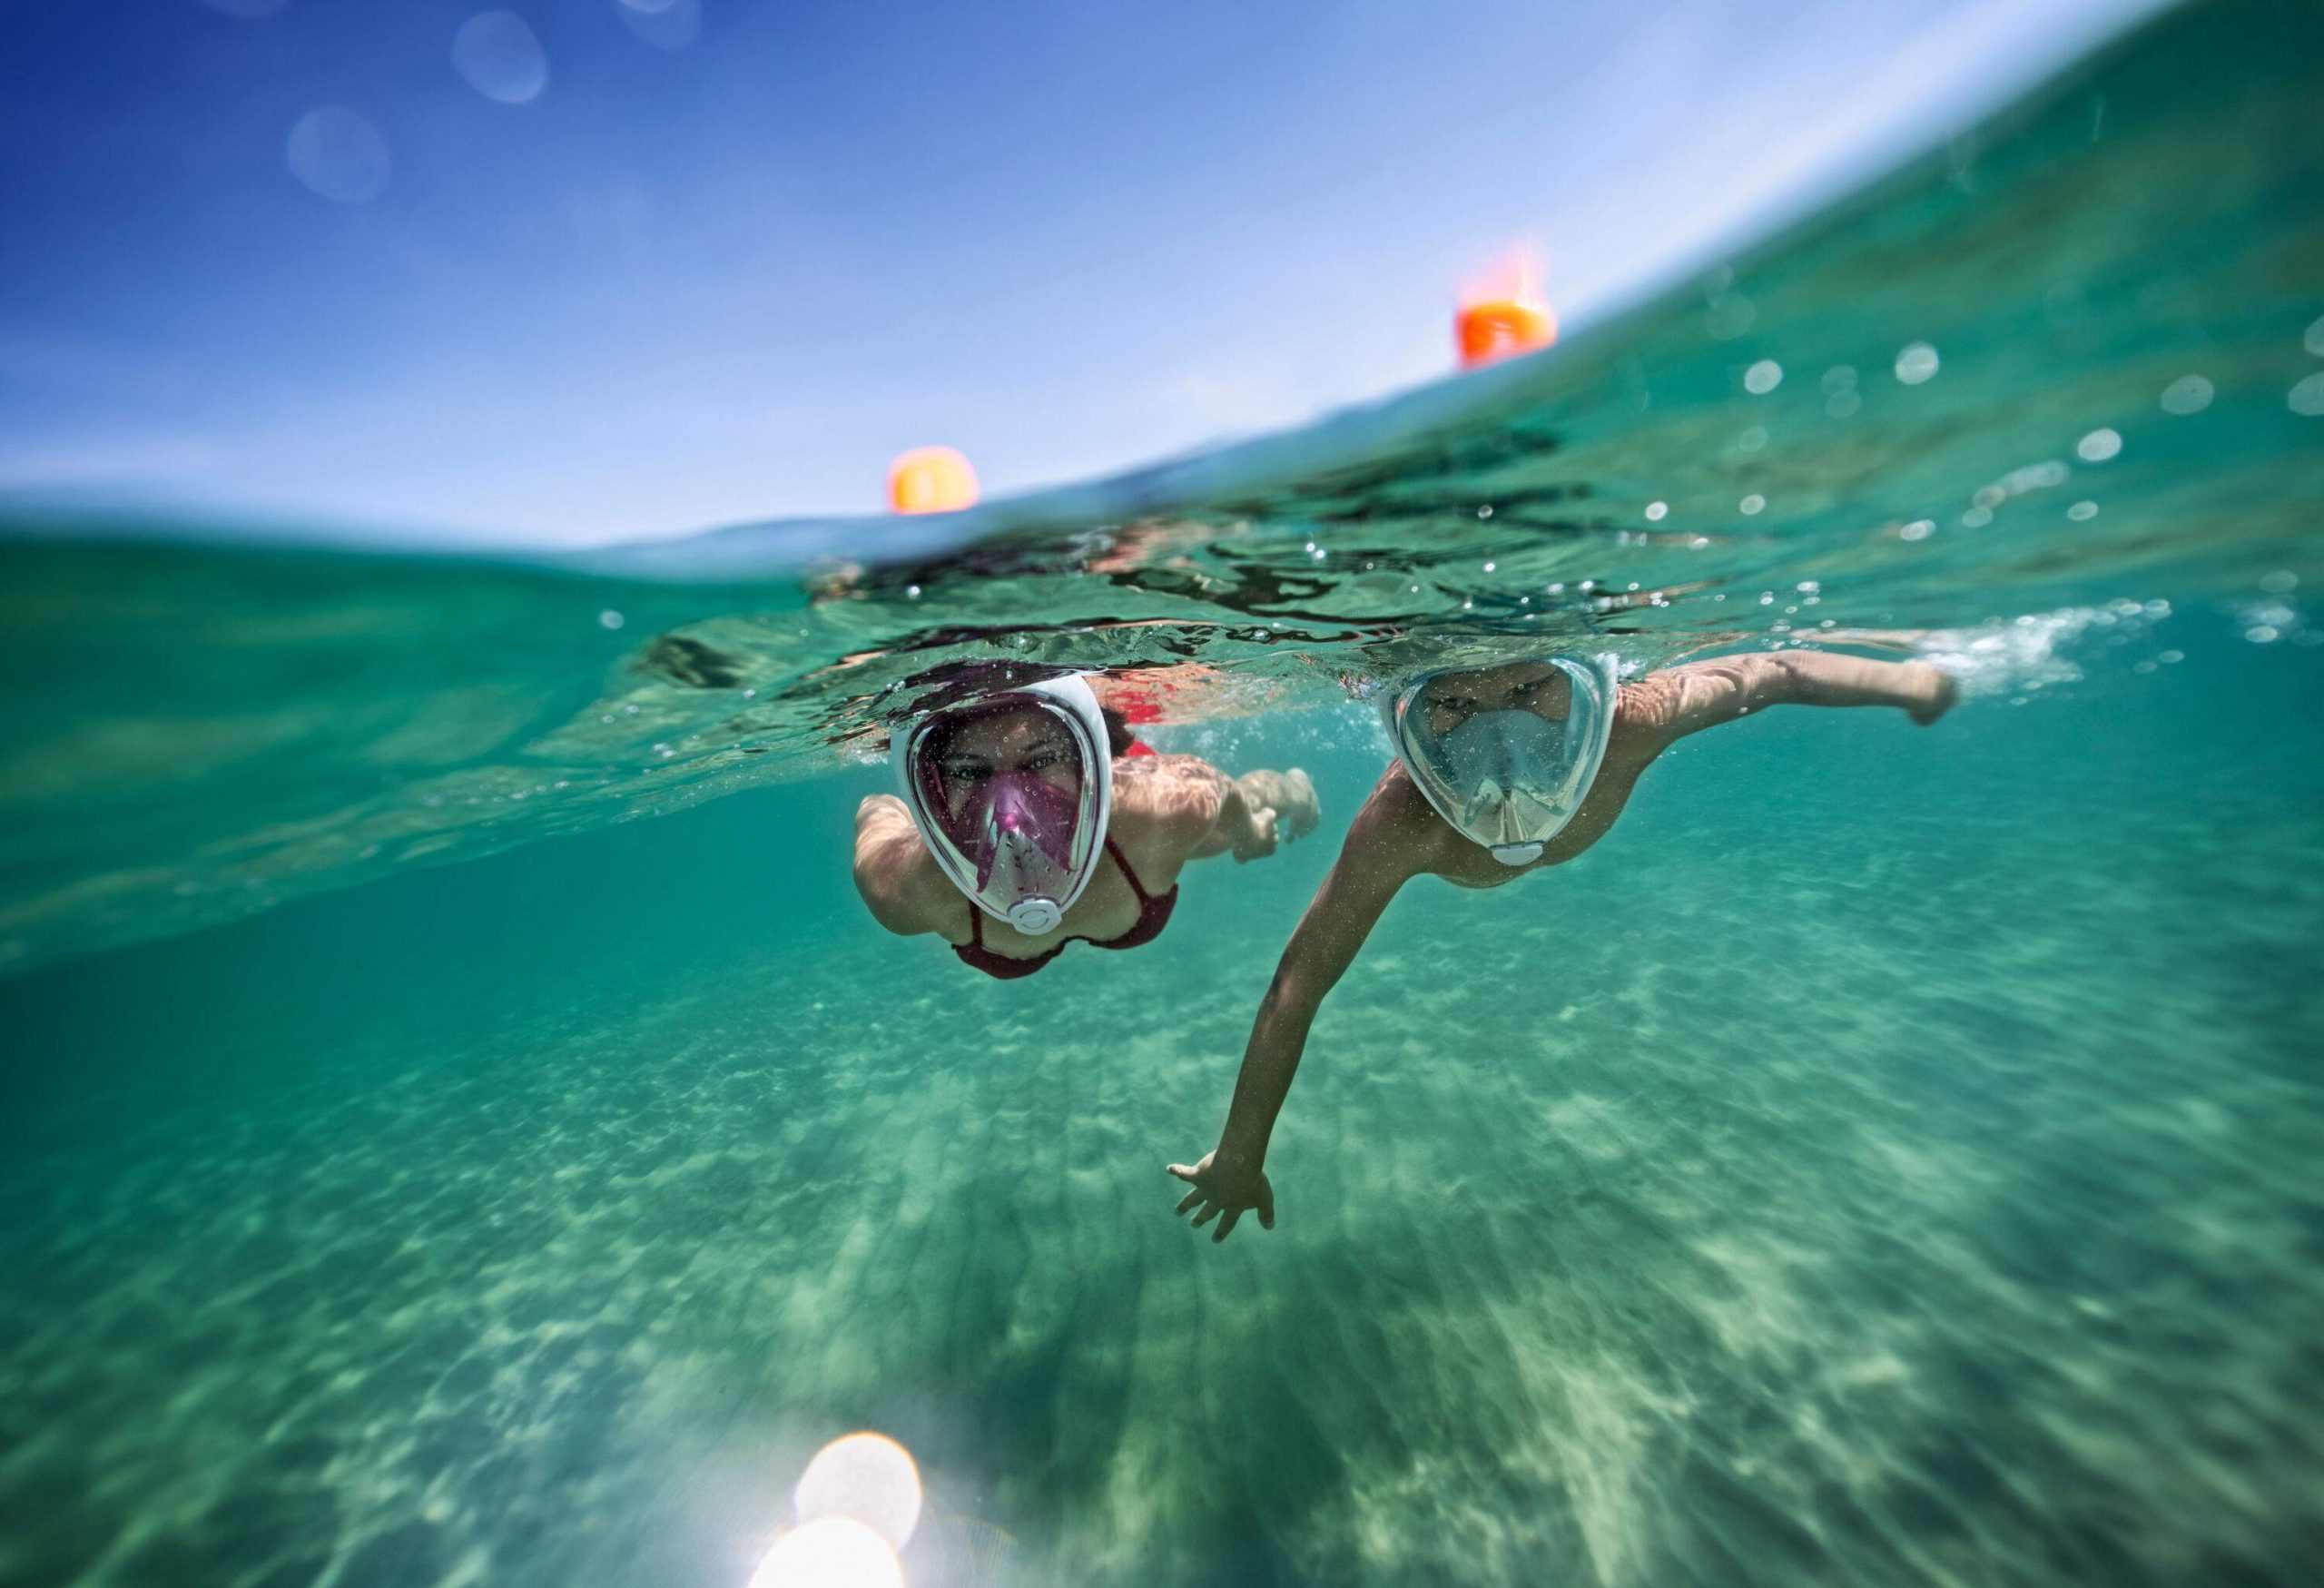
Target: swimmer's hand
1935, 692
1232, 1187
1258, 839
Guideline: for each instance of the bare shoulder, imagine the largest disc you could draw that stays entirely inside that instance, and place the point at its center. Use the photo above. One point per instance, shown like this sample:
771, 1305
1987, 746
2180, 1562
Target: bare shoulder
880, 814
1172, 791
1672, 702
1397, 828
1163, 772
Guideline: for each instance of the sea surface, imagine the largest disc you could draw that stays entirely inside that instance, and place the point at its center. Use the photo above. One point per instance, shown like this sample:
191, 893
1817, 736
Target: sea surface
461, 1127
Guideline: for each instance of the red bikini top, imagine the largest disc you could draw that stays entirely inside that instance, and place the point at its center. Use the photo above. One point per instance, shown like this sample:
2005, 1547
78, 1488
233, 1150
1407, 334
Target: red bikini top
1153, 915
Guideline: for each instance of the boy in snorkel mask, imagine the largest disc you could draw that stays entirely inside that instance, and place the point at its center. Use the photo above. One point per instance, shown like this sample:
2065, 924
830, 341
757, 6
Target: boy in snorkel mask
1499, 770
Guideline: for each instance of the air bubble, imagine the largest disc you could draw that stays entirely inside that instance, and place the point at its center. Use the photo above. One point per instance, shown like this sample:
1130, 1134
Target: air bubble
2188, 394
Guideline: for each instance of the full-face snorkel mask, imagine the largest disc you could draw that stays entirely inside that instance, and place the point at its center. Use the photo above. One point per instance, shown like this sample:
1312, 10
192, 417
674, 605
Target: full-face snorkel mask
1508, 779
1021, 846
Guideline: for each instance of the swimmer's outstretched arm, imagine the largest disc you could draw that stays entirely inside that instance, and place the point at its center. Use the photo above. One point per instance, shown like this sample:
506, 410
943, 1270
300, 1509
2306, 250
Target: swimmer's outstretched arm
1389, 841
1256, 811
894, 872
1683, 700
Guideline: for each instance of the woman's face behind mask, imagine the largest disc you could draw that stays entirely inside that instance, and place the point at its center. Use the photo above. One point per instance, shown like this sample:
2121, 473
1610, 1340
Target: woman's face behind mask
1030, 745
1012, 795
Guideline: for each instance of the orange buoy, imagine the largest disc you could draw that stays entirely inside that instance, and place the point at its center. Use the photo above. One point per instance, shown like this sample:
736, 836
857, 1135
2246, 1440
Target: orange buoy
1502, 313
1502, 328
931, 480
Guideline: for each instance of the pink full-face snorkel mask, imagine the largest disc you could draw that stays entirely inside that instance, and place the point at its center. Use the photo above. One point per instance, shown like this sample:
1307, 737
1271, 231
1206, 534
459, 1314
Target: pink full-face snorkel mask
1021, 846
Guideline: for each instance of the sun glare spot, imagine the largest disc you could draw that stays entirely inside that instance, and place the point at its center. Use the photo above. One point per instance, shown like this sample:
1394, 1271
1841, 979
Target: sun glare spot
830, 1552
500, 57
666, 25
868, 1478
337, 154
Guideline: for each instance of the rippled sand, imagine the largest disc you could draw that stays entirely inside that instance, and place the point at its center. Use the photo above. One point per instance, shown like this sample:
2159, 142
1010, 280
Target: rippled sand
1890, 1158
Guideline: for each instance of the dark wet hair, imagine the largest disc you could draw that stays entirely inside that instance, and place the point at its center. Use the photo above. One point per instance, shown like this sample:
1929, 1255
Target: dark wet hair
1118, 738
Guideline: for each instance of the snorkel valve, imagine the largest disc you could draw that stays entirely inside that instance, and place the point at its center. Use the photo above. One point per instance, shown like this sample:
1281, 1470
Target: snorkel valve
1515, 854
1035, 917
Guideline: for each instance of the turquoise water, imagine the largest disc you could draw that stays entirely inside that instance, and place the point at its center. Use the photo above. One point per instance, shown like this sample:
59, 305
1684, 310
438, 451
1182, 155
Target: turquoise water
463, 1129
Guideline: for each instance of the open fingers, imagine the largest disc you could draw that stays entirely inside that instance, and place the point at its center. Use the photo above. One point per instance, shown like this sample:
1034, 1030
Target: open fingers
1185, 1171
1189, 1199
1209, 1211
1226, 1225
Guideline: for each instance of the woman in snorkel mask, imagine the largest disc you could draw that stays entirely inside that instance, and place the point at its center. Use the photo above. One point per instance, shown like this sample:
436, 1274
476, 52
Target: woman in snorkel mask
1499, 770
1027, 818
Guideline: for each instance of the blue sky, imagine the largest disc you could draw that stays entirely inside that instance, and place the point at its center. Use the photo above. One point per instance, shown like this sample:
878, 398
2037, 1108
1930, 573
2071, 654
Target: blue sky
734, 256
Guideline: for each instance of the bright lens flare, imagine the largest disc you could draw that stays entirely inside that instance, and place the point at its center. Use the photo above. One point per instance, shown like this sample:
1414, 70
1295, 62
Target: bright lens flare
866, 1478
1502, 314
931, 480
832, 1553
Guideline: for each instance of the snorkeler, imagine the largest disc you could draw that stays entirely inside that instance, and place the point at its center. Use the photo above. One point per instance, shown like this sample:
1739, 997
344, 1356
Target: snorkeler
1499, 770
1031, 818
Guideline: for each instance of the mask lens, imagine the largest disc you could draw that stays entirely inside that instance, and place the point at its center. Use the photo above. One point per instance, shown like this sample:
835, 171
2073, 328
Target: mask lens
1506, 776
1010, 800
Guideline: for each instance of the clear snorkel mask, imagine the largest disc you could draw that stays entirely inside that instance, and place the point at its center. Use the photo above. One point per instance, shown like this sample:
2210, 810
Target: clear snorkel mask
1503, 771
1020, 827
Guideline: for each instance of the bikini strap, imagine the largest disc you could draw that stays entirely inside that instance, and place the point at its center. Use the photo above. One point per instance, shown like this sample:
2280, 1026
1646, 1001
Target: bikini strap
1129, 876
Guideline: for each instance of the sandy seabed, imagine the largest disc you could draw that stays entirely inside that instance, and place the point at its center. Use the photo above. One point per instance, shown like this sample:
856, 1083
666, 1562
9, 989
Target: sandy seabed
1894, 1184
